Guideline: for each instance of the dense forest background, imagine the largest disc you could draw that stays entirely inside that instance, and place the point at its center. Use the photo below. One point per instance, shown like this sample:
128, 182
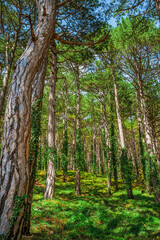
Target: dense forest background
79, 102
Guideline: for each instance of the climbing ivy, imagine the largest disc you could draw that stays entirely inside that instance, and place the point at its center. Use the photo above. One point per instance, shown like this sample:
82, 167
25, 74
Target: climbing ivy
65, 155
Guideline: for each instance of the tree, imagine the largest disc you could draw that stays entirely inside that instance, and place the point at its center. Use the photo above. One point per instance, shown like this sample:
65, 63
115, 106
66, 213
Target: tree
50, 181
15, 149
37, 96
137, 57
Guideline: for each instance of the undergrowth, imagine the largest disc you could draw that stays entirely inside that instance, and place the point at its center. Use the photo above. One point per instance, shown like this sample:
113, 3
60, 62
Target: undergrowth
93, 215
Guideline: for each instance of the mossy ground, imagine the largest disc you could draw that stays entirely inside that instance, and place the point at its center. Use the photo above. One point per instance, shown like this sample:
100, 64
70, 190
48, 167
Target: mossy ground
94, 214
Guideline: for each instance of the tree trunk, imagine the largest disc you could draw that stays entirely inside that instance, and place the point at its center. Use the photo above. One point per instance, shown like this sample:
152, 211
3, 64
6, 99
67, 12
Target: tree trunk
14, 161
106, 147
78, 190
73, 145
78, 186
141, 134
37, 96
78, 99
50, 181
121, 135
65, 108
148, 134
135, 162
65, 144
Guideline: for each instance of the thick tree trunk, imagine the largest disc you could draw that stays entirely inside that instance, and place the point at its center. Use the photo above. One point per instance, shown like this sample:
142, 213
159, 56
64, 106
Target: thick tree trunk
37, 96
78, 186
14, 163
50, 181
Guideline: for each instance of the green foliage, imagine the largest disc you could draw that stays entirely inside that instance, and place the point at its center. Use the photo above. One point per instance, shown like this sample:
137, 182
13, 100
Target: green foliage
94, 214
113, 150
45, 157
152, 173
40, 158
147, 169
79, 153
65, 153
141, 146
126, 170
35, 133
58, 161
19, 203
105, 150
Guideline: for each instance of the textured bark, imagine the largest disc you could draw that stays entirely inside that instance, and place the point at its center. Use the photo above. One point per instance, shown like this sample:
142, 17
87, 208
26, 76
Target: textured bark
37, 96
14, 163
78, 186
121, 135
50, 181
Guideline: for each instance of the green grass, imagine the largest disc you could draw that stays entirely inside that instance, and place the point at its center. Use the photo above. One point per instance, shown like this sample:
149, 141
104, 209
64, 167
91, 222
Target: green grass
94, 214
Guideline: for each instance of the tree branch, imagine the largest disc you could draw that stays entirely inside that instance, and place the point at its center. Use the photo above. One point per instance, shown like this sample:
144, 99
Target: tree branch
62, 3
57, 37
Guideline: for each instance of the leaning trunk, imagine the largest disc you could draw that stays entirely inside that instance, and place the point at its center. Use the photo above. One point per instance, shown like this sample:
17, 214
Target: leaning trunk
14, 161
37, 96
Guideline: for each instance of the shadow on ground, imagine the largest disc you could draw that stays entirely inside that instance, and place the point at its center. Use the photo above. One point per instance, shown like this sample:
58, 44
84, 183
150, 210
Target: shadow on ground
94, 214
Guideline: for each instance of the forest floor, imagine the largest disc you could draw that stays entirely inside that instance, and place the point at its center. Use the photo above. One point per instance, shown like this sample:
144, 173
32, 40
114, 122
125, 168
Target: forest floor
93, 215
